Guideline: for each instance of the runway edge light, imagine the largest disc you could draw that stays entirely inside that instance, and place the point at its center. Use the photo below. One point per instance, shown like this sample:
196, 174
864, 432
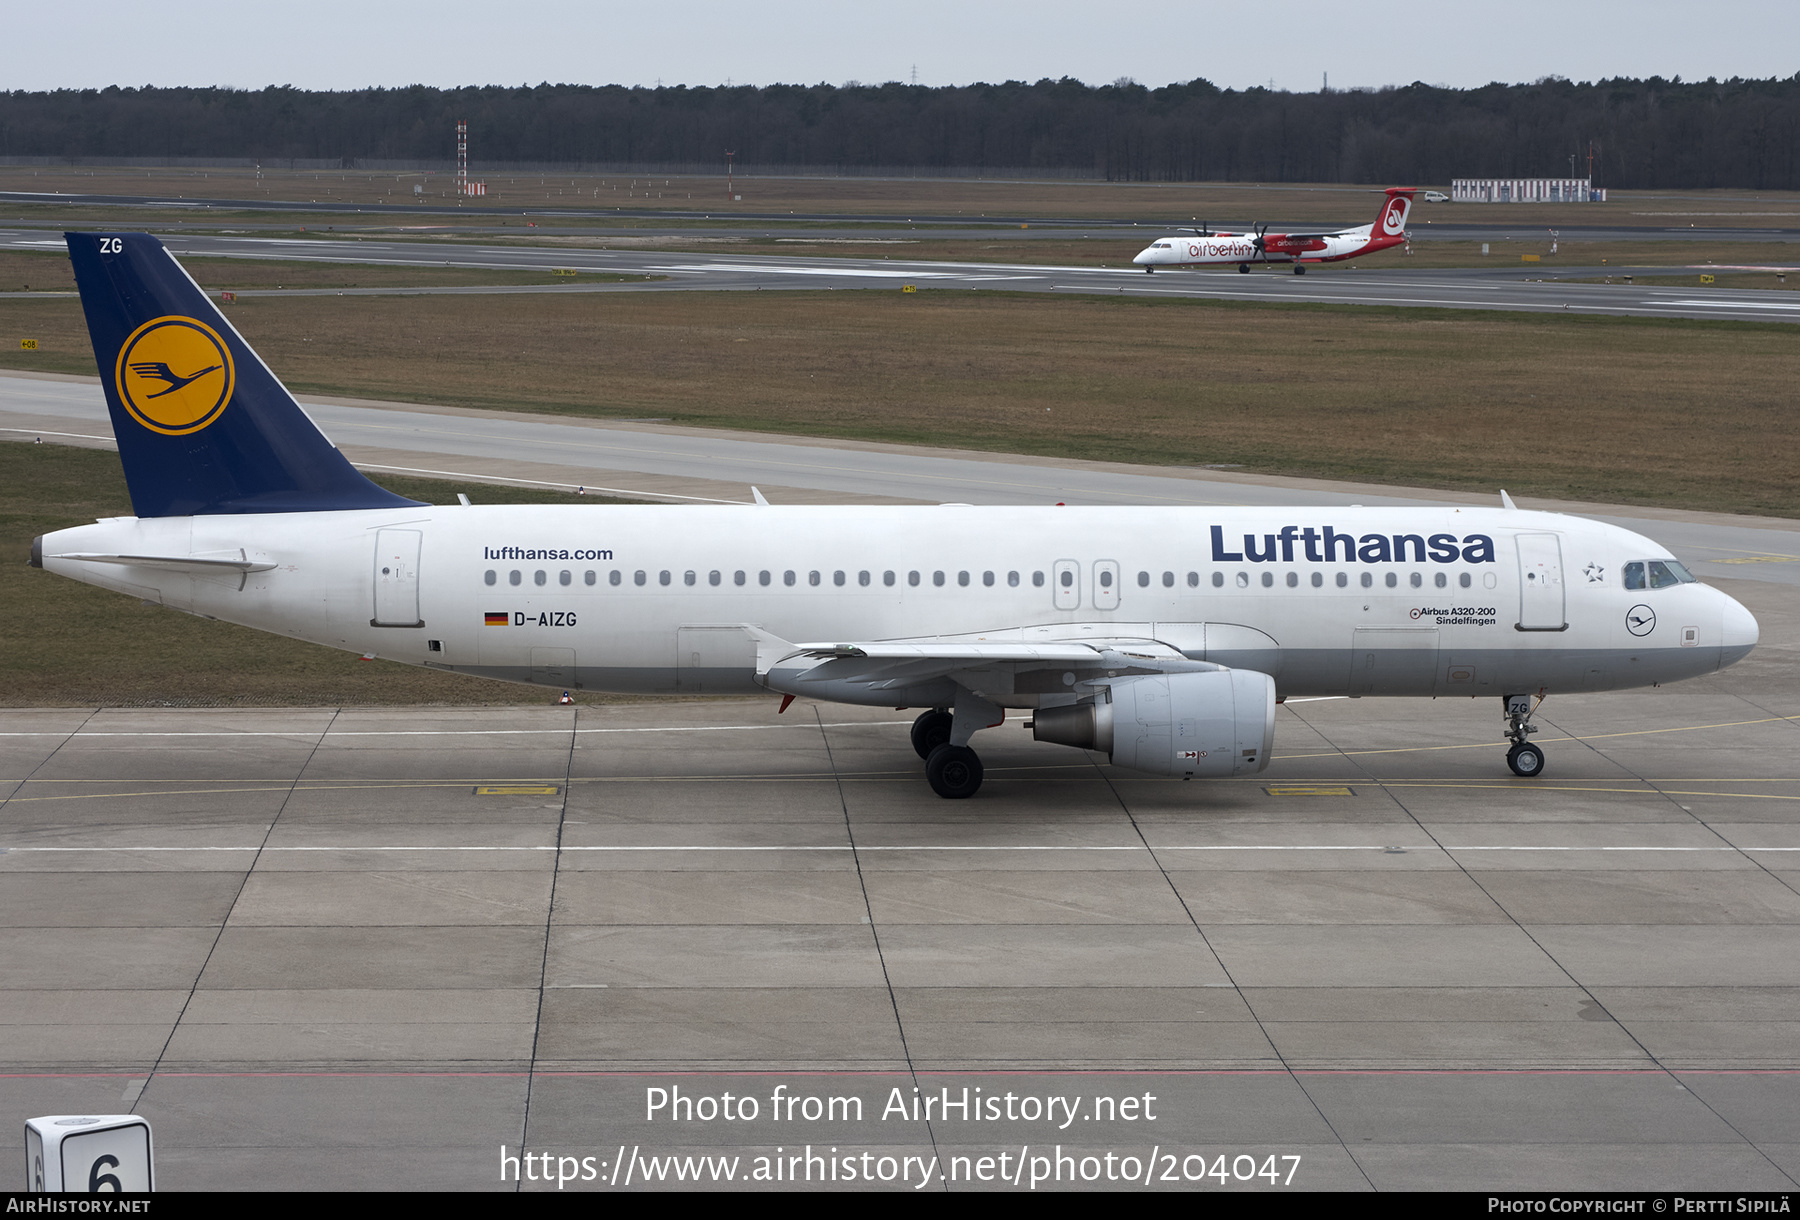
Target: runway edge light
89, 1154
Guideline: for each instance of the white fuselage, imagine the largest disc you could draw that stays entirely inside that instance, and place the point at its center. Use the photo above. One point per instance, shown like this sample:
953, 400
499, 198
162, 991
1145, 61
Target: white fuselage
1231, 249
673, 599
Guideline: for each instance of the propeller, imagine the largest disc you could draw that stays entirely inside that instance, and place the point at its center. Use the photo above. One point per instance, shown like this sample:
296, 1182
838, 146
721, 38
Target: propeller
1257, 241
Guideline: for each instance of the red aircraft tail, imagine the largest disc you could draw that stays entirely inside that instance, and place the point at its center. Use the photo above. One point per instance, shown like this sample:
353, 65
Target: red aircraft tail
1391, 223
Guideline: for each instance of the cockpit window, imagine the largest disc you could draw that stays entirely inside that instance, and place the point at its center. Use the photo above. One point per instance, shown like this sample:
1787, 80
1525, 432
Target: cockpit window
1634, 576
1666, 572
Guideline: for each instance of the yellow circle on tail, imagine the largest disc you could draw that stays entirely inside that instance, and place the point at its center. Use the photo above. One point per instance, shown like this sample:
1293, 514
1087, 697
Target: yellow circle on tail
175, 375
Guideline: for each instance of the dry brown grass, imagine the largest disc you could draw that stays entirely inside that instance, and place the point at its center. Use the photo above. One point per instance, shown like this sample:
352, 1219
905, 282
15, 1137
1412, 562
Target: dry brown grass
1218, 203
1605, 409
51, 272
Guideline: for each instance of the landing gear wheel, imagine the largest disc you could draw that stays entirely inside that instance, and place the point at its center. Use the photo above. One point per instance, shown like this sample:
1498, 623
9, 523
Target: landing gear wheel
930, 730
954, 772
1243, 268
1149, 270
1299, 270
1525, 759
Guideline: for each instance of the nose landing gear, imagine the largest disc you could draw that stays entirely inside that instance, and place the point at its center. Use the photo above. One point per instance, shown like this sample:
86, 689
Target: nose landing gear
1299, 270
1524, 758
1243, 268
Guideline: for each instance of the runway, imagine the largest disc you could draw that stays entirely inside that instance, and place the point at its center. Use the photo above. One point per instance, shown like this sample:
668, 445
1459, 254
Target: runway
652, 461
367, 948
1506, 289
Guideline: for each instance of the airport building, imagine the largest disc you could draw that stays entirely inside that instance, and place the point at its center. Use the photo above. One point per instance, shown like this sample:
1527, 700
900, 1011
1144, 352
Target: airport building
1525, 190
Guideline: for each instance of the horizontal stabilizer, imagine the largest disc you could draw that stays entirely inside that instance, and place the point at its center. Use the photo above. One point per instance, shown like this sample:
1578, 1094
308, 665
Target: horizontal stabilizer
176, 563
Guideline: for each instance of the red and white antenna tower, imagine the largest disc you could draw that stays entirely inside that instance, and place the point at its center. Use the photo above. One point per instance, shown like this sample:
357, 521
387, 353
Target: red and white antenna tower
463, 186
462, 156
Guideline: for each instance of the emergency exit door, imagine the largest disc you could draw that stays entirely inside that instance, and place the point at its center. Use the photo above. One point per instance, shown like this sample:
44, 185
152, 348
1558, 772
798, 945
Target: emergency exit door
397, 578
1541, 606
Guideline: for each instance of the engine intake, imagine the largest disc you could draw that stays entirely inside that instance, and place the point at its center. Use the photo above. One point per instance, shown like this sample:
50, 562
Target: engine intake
1191, 724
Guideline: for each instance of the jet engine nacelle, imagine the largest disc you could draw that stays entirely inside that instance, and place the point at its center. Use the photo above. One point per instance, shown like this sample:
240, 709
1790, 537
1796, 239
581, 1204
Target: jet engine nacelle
1190, 724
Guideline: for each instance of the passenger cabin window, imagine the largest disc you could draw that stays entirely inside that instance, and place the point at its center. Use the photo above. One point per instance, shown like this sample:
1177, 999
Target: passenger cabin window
763, 578
1218, 579
640, 577
1143, 580
738, 577
514, 577
1012, 580
1168, 580
539, 577
714, 577
490, 577
887, 578
862, 578
565, 577
1037, 580
688, 578
614, 577
590, 576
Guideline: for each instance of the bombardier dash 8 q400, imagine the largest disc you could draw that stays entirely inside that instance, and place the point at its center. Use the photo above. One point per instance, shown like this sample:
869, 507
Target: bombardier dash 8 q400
1163, 637
1204, 248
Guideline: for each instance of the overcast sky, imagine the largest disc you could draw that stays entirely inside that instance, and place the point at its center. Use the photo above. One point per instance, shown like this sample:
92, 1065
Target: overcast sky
335, 44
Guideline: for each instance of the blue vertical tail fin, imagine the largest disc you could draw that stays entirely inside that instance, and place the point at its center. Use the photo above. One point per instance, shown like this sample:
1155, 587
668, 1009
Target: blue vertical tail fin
203, 426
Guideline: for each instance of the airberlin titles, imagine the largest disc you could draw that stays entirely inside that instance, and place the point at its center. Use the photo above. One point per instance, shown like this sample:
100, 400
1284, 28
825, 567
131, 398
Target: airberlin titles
1352, 548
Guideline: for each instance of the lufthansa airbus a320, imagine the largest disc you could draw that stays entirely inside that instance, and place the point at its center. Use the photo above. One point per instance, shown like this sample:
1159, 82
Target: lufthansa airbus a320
1163, 637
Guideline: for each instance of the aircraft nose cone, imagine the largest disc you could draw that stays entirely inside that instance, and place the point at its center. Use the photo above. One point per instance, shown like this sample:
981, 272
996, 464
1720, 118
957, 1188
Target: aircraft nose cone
1738, 633
1143, 256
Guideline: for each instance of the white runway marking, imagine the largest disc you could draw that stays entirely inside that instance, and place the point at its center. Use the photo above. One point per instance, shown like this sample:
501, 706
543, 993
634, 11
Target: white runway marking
702, 728
932, 847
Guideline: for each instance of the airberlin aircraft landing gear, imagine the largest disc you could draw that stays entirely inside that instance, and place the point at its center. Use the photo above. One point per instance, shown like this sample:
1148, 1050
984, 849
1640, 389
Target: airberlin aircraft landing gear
1524, 758
1243, 268
1299, 270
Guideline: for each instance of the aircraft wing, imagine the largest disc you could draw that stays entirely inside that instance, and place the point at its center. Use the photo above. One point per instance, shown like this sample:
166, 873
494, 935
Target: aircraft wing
890, 664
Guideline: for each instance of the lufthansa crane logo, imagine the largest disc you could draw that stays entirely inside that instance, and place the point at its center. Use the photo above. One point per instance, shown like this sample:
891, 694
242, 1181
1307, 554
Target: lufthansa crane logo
175, 375
1640, 620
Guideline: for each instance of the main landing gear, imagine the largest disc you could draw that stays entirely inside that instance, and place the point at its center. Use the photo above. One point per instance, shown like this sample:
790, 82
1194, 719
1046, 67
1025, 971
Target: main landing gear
952, 769
1299, 270
1524, 758
1149, 270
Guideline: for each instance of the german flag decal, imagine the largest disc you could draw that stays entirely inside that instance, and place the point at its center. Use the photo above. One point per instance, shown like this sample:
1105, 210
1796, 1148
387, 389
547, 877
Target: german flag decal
495, 619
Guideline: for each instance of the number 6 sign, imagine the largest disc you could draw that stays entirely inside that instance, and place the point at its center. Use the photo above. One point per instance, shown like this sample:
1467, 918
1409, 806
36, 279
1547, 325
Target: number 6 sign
88, 1154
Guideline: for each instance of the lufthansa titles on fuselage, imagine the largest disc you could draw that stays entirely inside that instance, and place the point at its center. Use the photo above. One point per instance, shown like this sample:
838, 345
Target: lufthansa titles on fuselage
1352, 548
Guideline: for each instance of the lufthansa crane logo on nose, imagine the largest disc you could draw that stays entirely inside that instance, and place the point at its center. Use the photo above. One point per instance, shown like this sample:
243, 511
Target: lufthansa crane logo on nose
1640, 620
175, 375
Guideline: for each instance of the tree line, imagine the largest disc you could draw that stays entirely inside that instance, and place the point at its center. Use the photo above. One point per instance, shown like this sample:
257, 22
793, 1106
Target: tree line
1647, 134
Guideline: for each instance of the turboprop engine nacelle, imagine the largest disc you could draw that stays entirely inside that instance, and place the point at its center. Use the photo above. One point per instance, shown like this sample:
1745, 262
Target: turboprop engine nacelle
1189, 724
